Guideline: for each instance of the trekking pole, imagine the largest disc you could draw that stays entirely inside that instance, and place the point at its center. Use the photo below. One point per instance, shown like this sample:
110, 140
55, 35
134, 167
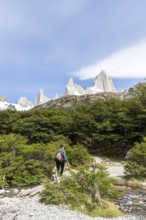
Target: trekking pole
56, 177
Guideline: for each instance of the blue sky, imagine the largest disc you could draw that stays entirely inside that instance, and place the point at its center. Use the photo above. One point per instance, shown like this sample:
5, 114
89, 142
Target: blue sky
45, 42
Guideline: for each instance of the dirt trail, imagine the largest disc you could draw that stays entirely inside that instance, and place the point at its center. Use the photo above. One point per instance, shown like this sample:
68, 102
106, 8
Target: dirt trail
116, 169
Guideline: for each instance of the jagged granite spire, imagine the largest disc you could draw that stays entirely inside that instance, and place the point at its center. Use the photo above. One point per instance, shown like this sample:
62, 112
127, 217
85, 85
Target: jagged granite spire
104, 82
73, 89
101, 83
41, 98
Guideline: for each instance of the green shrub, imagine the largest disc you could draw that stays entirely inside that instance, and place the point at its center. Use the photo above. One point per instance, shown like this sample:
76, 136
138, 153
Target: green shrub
23, 164
83, 191
136, 165
78, 156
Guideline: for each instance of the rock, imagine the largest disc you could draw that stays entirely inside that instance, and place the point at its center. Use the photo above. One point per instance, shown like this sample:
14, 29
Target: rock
24, 102
11, 107
31, 209
2, 192
143, 185
104, 82
2, 99
129, 203
31, 191
41, 98
72, 100
73, 89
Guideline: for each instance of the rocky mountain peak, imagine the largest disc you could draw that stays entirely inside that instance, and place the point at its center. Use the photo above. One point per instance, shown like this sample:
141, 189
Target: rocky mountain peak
73, 89
24, 102
41, 98
2, 99
71, 82
101, 83
104, 82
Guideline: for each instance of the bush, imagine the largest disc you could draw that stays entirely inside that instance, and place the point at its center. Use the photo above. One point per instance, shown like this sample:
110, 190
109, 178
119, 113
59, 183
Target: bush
82, 191
78, 156
136, 165
23, 164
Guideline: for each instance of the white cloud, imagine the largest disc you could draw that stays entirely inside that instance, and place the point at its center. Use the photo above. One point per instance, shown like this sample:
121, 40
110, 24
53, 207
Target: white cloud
126, 63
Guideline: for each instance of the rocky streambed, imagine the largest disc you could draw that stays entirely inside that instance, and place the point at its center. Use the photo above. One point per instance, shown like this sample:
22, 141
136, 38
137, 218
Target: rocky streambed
30, 209
133, 202
25, 205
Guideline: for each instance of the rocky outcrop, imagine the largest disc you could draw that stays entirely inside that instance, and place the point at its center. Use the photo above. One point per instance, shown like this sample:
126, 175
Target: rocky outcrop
133, 202
73, 89
72, 100
24, 102
2, 99
11, 107
41, 98
104, 82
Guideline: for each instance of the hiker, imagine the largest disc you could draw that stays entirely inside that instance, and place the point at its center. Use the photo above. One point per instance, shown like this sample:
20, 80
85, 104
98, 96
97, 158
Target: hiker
60, 159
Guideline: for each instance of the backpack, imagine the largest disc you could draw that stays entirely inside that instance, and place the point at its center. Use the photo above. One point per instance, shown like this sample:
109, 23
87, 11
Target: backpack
58, 156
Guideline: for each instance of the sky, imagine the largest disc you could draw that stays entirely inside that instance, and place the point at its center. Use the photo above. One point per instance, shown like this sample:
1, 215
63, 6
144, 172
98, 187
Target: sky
43, 43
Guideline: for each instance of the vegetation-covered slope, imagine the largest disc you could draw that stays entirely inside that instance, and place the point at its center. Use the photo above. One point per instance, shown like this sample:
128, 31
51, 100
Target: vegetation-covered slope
104, 127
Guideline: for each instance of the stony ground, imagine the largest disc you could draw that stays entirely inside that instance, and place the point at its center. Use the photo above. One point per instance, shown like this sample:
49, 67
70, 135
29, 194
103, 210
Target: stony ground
25, 205
30, 209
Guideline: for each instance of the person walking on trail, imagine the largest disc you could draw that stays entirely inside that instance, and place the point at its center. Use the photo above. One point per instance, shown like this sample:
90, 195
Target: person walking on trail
60, 159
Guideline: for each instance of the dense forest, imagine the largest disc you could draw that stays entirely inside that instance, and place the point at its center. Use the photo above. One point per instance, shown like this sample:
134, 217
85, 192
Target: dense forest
104, 127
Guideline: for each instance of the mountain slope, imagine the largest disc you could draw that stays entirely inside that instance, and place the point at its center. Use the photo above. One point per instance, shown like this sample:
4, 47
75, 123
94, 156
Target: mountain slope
72, 100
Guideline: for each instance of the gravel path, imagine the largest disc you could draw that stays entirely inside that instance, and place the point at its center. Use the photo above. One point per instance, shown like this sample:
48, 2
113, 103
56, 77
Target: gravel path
115, 169
30, 209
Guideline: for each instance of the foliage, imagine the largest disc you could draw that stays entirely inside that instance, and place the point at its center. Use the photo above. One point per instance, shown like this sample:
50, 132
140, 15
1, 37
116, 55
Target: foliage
23, 164
108, 210
103, 127
78, 156
136, 165
84, 189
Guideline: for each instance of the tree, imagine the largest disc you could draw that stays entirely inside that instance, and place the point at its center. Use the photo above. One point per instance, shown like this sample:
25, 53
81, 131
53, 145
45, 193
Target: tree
136, 165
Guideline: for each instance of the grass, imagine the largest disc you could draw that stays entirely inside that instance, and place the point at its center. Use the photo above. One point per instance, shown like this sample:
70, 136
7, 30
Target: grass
109, 210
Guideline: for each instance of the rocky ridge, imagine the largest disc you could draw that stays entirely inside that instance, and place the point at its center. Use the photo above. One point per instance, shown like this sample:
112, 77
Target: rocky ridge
72, 100
102, 88
23, 104
101, 83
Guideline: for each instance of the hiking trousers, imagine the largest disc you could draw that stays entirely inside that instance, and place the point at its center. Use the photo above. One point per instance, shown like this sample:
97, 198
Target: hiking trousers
60, 164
